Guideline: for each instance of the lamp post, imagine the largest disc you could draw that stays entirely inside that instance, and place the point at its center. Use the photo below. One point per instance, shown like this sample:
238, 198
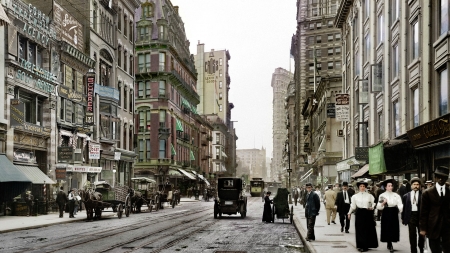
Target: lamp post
289, 170
114, 174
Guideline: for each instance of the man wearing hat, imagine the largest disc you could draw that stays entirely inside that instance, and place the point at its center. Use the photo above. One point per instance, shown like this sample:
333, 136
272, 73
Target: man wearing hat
330, 202
71, 198
410, 214
312, 208
404, 188
429, 184
343, 201
434, 214
29, 199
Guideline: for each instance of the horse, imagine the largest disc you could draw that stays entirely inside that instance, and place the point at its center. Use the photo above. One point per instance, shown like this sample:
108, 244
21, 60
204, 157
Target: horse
136, 200
90, 197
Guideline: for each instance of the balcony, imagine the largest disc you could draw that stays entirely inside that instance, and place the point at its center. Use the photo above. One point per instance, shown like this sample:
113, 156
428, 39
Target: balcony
178, 81
163, 133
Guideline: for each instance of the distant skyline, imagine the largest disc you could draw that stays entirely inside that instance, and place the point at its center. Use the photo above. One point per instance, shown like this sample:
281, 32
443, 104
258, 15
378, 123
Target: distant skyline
258, 35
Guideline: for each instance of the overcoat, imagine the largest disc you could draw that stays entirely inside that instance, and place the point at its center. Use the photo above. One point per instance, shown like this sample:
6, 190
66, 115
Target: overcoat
340, 203
407, 207
434, 212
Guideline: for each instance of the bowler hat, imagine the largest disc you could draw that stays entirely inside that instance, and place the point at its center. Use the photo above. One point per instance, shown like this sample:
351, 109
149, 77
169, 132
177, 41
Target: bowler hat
415, 179
308, 184
344, 184
361, 182
269, 193
441, 171
405, 181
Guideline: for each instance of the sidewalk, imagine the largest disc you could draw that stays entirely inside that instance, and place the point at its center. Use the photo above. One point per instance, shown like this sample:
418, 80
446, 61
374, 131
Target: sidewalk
15, 223
330, 239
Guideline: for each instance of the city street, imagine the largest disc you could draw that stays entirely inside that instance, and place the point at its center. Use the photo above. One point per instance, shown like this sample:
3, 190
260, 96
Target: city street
189, 227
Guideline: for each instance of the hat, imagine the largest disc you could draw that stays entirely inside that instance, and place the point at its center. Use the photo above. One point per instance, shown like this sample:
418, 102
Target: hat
385, 182
344, 184
269, 193
442, 171
361, 182
28, 192
428, 182
405, 181
351, 186
330, 185
415, 179
308, 184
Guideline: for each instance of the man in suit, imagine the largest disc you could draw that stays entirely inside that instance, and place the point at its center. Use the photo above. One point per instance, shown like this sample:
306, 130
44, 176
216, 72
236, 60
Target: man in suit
303, 194
410, 215
403, 189
434, 214
312, 208
343, 201
330, 201
61, 200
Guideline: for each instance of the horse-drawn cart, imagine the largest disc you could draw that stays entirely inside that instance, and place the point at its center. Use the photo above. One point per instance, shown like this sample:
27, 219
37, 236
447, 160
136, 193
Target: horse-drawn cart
280, 206
166, 194
144, 193
103, 197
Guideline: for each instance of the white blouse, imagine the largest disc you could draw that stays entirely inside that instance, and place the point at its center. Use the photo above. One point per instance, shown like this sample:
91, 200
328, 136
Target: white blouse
361, 200
393, 199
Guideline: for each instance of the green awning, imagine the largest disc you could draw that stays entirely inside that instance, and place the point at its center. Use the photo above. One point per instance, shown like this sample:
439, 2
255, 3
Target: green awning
173, 149
179, 126
194, 109
35, 175
376, 159
10, 173
185, 103
192, 156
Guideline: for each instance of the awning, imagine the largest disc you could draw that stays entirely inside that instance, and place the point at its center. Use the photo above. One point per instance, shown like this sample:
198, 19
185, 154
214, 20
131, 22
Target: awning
187, 174
179, 126
10, 173
192, 156
306, 175
173, 172
361, 172
224, 155
194, 109
185, 103
3, 17
204, 179
65, 133
35, 175
173, 149
143, 179
376, 159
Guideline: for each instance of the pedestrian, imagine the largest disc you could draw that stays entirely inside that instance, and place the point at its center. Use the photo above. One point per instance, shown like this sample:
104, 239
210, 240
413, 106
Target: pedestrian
267, 213
77, 202
71, 198
429, 184
391, 203
363, 204
434, 216
403, 189
296, 193
29, 199
343, 201
319, 193
61, 200
312, 208
303, 194
351, 190
330, 201
379, 191
411, 213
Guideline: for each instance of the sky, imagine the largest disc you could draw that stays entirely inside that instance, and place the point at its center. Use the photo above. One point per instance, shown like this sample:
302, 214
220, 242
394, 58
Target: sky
257, 34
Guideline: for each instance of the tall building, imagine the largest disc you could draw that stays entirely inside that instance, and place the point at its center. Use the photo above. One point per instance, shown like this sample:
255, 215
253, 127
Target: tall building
280, 80
397, 80
316, 47
170, 133
252, 163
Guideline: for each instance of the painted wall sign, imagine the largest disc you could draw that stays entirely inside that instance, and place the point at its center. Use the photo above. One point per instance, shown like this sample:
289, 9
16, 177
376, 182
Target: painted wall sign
70, 94
65, 154
430, 132
69, 29
85, 169
18, 119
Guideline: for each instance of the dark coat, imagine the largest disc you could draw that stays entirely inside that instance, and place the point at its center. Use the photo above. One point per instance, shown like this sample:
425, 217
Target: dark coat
267, 214
61, 198
402, 191
342, 208
407, 207
434, 212
312, 204
350, 190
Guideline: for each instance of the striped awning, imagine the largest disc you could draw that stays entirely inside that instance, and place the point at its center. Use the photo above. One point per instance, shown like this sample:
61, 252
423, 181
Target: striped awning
4, 20
179, 126
173, 149
35, 175
192, 156
187, 174
194, 109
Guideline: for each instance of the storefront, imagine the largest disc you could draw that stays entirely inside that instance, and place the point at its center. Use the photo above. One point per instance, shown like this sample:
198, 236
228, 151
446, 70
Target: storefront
431, 142
77, 177
347, 168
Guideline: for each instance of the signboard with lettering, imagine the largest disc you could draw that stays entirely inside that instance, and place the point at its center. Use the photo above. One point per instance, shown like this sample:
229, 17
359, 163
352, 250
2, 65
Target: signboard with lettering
342, 107
68, 93
90, 83
20, 156
68, 28
86, 169
362, 153
430, 132
35, 75
94, 152
18, 119
65, 154
60, 173
331, 110
105, 91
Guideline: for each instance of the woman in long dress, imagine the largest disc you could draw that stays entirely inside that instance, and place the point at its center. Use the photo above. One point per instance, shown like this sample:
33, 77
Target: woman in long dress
391, 204
267, 214
363, 204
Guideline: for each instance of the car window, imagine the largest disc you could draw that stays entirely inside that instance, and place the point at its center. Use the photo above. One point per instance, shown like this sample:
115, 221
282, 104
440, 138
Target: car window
228, 183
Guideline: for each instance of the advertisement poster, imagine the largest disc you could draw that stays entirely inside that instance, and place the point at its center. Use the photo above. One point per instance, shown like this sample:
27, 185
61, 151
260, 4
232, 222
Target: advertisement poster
342, 107
94, 152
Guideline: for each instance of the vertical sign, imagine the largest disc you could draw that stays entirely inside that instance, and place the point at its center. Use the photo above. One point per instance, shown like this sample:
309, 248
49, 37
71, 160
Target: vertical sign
94, 152
342, 107
363, 91
90, 83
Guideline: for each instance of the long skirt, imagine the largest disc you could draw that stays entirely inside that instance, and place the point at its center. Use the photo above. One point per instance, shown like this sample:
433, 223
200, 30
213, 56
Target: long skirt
366, 235
390, 225
267, 214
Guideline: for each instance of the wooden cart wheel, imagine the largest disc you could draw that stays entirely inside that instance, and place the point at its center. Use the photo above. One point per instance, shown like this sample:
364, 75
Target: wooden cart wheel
156, 203
127, 207
215, 211
120, 211
292, 215
273, 213
149, 207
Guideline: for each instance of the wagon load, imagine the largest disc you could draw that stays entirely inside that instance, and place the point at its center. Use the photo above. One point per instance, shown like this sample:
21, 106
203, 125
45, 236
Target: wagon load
280, 206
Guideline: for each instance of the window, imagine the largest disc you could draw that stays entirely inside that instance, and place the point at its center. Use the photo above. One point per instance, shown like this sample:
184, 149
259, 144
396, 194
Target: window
330, 23
319, 52
220, 108
443, 92
144, 33
330, 37
338, 65
131, 101
319, 25
141, 63
357, 63
395, 61
330, 51
220, 95
130, 70
94, 20
337, 50
217, 152
144, 150
162, 61
395, 10
125, 55
119, 20
217, 138
380, 29
319, 66
220, 84
366, 52
162, 88
162, 149
311, 40
319, 39
396, 116
125, 98
415, 40
330, 65
131, 30
380, 126
125, 22
220, 62
144, 121
311, 26
147, 10
161, 32
105, 74
338, 36
366, 9
144, 89
443, 17
162, 118
119, 56
415, 107
311, 80
220, 73
311, 66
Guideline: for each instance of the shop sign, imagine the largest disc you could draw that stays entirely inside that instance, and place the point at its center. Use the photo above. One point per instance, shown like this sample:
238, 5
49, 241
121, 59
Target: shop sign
36, 23
117, 155
20, 156
85, 169
342, 107
69, 29
331, 110
94, 152
430, 132
108, 92
65, 153
90, 77
45, 77
362, 153
79, 55
70, 94
18, 119
60, 172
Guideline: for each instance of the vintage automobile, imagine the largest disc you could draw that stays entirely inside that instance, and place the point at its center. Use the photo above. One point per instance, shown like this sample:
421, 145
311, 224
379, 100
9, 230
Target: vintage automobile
230, 197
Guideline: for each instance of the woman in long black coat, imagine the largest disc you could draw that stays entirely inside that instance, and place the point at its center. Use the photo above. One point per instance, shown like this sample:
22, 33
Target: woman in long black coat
267, 214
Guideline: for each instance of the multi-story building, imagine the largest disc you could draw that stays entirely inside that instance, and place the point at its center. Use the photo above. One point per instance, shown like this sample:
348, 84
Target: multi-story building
219, 145
169, 129
252, 163
280, 80
316, 48
395, 69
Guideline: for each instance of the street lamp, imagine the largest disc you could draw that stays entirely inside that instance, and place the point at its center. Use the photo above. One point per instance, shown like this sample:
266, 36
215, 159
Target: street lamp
114, 174
289, 170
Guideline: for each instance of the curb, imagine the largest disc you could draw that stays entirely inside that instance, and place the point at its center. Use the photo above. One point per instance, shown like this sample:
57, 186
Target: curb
301, 231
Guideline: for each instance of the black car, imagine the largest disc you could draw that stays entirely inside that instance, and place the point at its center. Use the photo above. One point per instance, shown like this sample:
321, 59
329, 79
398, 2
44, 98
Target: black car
230, 197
